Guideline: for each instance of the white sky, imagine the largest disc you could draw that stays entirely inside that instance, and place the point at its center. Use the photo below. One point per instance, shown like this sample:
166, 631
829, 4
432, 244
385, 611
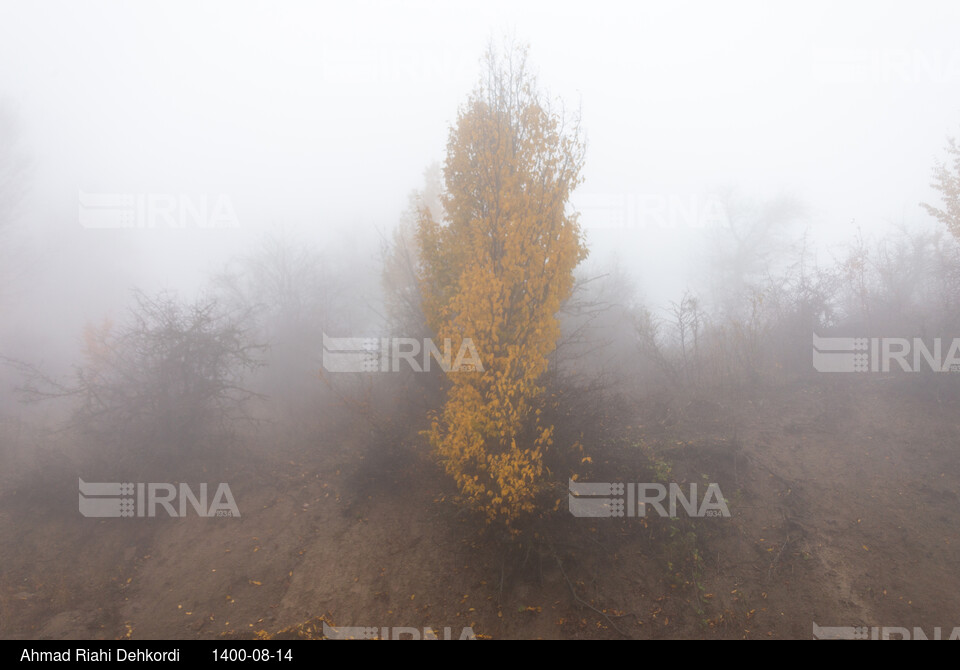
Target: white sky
324, 115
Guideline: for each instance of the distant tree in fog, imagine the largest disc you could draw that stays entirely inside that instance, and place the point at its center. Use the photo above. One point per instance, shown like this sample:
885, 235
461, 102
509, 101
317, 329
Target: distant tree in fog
13, 166
156, 384
291, 294
946, 180
13, 180
401, 258
747, 248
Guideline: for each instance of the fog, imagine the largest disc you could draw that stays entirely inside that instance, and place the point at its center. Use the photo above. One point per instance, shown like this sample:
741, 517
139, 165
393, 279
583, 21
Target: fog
726, 146
323, 116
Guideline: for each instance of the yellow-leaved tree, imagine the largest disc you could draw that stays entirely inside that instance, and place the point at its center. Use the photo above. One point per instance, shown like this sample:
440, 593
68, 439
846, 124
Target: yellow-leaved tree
496, 270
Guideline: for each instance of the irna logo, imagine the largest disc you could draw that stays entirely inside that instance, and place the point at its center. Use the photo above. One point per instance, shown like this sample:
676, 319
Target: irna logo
114, 499
393, 354
884, 354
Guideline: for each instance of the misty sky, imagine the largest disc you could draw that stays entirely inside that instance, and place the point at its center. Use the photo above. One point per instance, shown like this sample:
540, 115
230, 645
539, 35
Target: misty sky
323, 116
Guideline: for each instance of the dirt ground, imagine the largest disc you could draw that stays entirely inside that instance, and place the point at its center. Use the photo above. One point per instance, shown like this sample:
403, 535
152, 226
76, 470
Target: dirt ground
843, 496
